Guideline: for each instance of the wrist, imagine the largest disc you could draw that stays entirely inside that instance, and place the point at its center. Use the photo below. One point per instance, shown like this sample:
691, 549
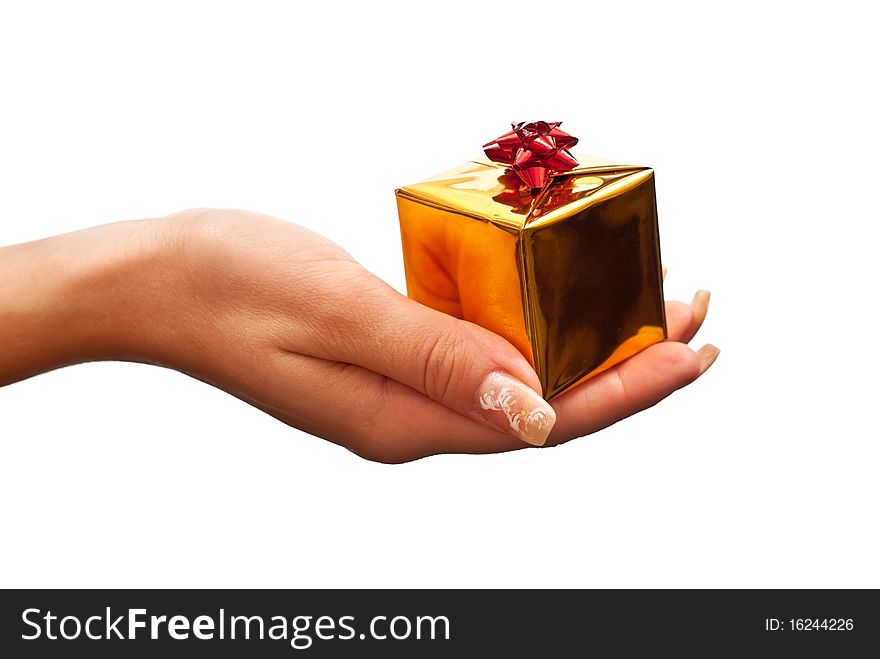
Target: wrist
82, 296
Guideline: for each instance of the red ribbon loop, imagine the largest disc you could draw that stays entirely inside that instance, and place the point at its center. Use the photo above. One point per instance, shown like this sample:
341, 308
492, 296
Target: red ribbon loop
533, 150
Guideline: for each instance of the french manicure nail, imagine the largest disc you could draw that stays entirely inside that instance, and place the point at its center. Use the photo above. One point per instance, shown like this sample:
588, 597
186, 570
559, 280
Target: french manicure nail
699, 307
707, 354
515, 408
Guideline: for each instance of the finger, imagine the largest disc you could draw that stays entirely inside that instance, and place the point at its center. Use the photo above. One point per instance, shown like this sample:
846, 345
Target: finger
699, 309
678, 319
458, 364
683, 321
368, 413
638, 383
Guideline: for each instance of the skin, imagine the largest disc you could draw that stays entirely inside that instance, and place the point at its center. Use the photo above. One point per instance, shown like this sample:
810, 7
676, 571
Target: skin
287, 321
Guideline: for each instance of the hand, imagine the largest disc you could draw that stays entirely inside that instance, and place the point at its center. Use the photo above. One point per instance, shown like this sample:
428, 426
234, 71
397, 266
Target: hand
287, 321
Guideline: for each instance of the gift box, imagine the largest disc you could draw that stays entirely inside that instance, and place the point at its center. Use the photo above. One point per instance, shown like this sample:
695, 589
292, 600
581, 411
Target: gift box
555, 251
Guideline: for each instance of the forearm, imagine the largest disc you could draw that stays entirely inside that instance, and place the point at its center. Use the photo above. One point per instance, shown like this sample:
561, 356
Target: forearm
79, 297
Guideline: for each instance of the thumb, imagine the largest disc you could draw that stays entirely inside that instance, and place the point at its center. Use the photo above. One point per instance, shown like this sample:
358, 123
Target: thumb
461, 365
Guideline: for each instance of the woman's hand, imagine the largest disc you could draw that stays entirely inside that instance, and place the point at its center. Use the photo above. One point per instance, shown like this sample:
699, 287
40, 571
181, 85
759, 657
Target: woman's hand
287, 321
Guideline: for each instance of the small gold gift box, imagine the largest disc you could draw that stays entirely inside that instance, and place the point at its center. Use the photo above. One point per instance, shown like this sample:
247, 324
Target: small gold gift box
570, 274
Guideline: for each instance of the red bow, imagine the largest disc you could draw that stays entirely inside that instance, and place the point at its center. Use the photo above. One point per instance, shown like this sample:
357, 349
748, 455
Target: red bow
532, 150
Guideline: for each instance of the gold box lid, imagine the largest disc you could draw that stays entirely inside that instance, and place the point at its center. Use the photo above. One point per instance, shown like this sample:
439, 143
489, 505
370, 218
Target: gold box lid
488, 191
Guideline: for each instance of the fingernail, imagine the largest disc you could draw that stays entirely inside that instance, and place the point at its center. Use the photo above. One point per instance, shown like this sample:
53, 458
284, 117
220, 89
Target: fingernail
515, 408
699, 307
707, 354
665, 270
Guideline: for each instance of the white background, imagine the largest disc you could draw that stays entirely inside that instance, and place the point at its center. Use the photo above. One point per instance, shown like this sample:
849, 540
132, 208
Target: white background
761, 122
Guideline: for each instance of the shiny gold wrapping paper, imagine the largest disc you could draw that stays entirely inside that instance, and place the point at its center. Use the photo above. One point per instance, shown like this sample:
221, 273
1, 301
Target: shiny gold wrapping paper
571, 276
